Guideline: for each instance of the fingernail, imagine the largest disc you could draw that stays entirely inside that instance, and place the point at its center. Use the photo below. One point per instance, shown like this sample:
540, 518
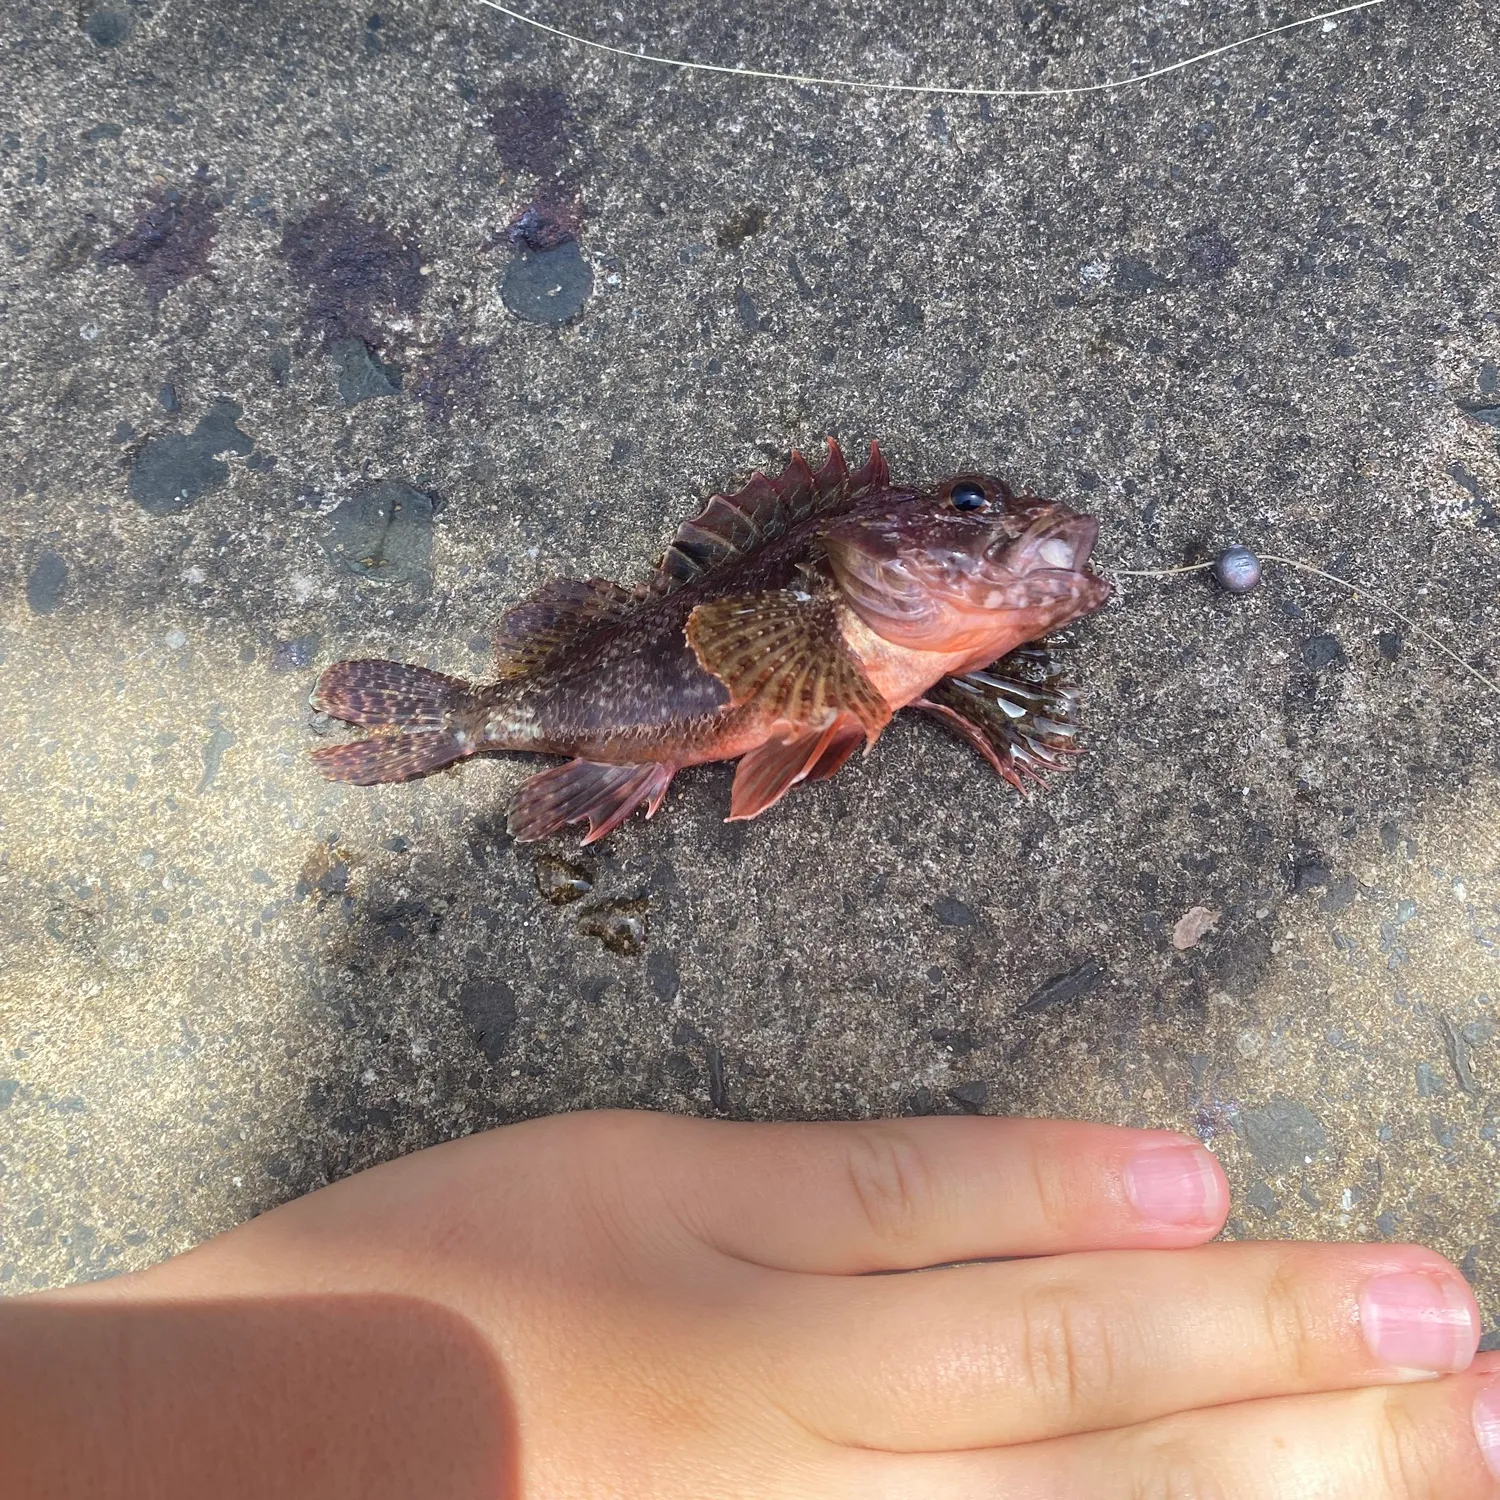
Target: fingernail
1176, 1184
1416, 1321
1487, 1425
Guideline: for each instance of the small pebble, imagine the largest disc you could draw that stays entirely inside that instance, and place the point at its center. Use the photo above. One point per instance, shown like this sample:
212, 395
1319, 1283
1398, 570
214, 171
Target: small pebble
1238, 569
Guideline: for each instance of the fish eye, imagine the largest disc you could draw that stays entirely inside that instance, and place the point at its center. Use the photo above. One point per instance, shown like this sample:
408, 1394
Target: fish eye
968, 496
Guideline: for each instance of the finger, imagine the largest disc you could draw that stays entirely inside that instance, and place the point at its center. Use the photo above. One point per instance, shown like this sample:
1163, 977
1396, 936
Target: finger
984, 1355
1415, 1442
898, 1194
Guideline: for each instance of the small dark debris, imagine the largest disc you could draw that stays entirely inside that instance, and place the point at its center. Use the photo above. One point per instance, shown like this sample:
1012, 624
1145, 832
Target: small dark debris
170, 472
167, 395
561, 881
170, 241
952, 912
489, 1007
547, 286
46, 583
363, 377
544, 225
279, 363
1323, 651
1388, 642
1260, 1197
971, 1097
621, 924
739, 227
1065, 988
383, 534
105, 130
1458, 1055
1310, 875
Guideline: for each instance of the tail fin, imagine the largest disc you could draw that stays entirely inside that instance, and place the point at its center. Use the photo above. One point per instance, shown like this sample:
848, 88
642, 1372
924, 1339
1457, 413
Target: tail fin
426, 707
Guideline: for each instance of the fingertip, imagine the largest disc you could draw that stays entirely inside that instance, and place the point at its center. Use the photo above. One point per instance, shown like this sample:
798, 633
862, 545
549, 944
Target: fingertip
1175, 1183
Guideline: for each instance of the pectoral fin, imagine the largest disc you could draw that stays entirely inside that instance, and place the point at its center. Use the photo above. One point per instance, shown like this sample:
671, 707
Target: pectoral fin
784, 651
1020, 714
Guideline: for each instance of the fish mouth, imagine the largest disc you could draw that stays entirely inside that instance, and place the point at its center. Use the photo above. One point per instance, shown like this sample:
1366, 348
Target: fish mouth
1059, 544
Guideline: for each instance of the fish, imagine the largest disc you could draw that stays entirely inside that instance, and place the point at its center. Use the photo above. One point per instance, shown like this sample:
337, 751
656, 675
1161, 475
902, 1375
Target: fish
784, 627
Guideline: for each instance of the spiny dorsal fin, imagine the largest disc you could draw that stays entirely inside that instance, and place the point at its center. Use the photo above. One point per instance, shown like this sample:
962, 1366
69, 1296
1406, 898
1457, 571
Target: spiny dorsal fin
536, 629
784, 650
731, 526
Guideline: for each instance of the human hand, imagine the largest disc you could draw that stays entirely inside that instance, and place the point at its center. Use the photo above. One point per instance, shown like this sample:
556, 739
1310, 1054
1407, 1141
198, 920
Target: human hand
621, 1306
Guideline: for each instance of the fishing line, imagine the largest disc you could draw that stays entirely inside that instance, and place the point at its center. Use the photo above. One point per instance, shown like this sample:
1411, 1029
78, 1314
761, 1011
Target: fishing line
1328, 18
1358, 590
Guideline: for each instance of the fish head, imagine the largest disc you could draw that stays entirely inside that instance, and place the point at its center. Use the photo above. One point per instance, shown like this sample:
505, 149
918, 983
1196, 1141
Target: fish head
966, 566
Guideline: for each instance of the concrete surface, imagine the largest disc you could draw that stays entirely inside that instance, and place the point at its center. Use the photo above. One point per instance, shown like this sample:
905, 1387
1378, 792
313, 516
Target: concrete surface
331, 330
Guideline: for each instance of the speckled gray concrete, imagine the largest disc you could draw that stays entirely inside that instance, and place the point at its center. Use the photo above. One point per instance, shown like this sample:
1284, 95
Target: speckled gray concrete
329, 331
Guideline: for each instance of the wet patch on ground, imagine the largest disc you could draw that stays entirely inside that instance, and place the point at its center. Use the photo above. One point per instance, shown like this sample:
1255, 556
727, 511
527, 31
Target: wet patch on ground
383, 535
362, 375
548, 286
169, 473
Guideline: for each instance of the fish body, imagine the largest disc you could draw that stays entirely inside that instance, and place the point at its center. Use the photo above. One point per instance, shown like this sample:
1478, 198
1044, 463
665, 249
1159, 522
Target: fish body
784, 627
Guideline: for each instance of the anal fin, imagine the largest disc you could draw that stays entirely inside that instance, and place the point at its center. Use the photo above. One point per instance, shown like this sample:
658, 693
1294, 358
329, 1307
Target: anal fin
766, 774
603, 794
1020, 714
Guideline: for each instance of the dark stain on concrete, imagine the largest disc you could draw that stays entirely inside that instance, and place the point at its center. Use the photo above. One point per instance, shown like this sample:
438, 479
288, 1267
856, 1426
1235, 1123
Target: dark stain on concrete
489, 1007
170, 240
107, 26
528, 127
621, 924
1282, 1134
360, 273
169, 473
450, 377
741, 226
1064, 988
46, 584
